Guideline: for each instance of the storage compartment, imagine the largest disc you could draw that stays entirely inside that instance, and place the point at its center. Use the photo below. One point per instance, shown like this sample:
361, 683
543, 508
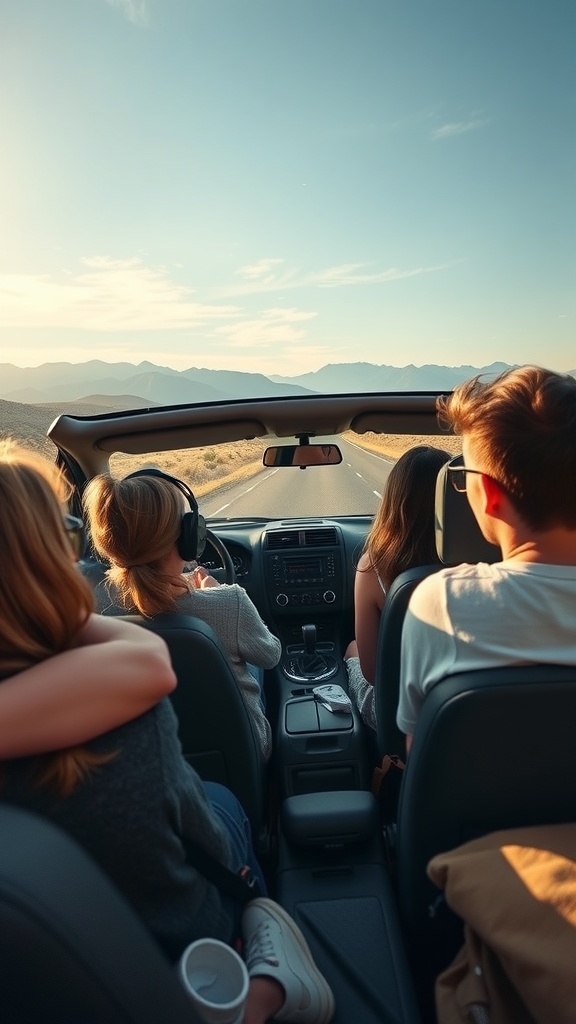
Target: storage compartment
317, 749
315, 780
332, 819
307, 715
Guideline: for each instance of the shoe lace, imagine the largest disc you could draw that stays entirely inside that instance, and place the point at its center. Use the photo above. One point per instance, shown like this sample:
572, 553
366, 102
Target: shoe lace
261, 947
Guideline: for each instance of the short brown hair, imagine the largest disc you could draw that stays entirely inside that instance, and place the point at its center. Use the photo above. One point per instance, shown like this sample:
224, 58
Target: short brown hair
523, 428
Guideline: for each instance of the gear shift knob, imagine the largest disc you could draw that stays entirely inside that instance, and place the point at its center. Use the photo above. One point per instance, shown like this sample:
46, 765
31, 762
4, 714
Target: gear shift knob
309, 638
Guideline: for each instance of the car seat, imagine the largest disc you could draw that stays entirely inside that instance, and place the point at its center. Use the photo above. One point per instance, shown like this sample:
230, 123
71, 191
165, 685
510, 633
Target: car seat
492, 749
215, 728
72, 950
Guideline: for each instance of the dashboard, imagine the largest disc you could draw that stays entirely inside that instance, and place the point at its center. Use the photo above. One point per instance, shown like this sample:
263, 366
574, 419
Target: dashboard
296, 571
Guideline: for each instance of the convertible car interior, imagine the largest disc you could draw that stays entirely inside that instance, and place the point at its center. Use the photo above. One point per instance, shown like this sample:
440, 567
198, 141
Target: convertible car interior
488, 753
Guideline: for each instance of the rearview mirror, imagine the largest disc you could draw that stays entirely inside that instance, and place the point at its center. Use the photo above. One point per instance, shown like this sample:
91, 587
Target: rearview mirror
302, 455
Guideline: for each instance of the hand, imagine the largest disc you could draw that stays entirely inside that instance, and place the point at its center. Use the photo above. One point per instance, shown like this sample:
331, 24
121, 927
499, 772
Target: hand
202, 579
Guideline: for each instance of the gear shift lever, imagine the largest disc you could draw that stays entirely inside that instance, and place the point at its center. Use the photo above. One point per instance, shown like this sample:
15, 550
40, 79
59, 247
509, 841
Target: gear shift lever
309, 638
310, 665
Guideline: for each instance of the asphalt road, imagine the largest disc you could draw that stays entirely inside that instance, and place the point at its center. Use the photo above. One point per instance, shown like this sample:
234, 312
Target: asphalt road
352, 488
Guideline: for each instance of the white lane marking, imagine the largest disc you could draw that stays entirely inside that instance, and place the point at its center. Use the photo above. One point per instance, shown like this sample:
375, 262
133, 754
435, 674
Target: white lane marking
367, 452
261, 479
377, 494
359, 474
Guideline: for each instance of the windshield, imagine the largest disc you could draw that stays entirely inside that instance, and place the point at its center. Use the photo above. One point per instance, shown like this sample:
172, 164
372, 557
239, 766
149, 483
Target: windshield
230, 481
224, 199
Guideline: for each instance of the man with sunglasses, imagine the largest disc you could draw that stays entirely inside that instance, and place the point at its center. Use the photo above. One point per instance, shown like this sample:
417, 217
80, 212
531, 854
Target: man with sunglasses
519, 473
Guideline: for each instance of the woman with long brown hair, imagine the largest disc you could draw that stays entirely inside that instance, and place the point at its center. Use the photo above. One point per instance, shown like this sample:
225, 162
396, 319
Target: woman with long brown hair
81, 674
401, 536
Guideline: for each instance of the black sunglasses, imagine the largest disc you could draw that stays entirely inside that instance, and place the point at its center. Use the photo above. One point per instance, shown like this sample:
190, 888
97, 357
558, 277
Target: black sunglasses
458, 477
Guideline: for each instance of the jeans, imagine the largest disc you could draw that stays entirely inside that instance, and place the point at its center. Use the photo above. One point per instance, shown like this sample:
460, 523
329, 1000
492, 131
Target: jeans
229, 810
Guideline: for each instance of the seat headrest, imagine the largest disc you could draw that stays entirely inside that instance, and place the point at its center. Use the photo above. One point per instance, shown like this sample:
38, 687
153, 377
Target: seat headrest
458, 536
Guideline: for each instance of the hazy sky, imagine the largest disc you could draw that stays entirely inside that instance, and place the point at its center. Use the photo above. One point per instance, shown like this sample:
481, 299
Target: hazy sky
273, 185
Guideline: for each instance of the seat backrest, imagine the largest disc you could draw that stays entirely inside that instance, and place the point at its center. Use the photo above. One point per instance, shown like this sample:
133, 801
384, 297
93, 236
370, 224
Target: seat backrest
215, 728
387, 680
458, 539
71, 949
458, 536
492, 749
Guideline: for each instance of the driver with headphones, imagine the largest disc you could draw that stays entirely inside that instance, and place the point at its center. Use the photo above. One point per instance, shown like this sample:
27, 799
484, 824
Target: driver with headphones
148, 528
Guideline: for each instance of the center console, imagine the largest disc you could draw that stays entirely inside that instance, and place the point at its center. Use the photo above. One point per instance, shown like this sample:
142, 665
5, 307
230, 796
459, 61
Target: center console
306, 580
320, 739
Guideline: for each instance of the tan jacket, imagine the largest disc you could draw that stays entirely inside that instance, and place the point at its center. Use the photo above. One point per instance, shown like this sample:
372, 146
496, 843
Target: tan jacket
516, 892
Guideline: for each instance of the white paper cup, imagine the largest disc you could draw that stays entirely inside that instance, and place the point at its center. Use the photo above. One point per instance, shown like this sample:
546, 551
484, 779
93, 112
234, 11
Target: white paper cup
216, 980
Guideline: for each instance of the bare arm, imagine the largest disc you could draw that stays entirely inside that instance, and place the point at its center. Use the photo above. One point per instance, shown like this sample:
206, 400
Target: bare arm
116, 672
368, 600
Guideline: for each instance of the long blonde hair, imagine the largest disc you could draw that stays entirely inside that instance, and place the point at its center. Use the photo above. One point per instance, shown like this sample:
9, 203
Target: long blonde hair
134, 525
44, 600
402, 532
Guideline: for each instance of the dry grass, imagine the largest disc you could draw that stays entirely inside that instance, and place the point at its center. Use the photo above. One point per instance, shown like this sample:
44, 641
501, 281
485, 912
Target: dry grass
205, 469
28, 423
394, 445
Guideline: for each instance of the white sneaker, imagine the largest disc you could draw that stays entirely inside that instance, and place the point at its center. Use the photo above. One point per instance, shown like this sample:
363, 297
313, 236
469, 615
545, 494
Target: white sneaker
276, 948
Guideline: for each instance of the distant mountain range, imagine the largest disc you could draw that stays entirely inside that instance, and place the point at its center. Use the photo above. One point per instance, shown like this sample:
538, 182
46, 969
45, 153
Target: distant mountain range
146, 384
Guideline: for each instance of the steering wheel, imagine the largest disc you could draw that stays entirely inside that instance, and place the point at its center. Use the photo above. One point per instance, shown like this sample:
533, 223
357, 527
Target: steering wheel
226, 574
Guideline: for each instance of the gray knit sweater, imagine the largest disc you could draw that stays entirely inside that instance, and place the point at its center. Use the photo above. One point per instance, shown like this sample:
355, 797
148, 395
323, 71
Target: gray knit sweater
244, 637
132, 814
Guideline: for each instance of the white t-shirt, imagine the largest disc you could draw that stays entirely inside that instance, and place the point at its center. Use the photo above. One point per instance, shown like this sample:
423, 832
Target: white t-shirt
484, 616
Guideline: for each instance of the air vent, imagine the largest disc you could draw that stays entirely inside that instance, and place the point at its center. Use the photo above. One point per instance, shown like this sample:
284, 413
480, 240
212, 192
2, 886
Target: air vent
320, 538
283, 539
324, 536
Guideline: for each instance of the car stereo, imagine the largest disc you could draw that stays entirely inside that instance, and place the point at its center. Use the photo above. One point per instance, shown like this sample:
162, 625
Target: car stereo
302, 580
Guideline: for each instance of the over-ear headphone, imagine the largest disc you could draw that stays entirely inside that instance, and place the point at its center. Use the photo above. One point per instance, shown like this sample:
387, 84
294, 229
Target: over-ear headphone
192, 539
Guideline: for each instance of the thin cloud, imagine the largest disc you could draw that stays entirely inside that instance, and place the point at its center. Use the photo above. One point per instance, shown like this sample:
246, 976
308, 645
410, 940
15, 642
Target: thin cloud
135, 10
341, 276
456, 128
353, 273
259, 270
272, 327
107, 295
